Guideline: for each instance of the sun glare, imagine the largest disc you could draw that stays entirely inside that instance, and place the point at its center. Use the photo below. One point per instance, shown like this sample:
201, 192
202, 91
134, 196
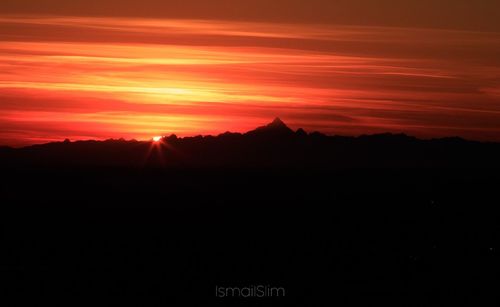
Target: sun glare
156, 138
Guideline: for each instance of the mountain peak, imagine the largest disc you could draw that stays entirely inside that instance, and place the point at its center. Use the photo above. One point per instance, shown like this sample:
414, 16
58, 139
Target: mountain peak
277, 122
276, 127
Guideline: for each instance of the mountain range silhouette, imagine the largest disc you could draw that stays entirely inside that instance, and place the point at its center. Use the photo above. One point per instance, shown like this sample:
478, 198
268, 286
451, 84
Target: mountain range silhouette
356, 220
274, 145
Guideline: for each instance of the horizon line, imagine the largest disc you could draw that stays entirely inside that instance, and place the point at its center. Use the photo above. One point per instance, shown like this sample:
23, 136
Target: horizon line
164, 136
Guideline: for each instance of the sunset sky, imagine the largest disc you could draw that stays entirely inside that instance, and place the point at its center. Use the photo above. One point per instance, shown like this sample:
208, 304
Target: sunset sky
135, 69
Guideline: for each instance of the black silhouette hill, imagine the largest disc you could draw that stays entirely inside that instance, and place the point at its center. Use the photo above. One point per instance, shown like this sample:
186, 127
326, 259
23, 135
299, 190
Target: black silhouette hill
354, 221
271, 146
277, 128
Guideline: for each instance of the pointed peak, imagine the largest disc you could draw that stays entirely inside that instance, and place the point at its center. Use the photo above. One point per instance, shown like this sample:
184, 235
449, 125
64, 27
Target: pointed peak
277, 126
277, 121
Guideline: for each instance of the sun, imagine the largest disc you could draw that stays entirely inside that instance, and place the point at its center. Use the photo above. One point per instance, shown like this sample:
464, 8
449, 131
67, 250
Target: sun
156, 138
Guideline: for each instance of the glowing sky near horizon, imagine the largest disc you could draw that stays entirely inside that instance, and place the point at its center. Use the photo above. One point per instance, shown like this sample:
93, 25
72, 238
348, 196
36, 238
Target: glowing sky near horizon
111, 77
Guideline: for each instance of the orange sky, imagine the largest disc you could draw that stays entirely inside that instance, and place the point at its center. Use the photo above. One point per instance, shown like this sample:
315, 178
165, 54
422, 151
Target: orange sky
110, 77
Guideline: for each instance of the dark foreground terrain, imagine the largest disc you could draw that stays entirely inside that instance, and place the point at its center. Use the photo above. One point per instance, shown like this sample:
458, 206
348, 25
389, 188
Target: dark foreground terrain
120, 238
73, 234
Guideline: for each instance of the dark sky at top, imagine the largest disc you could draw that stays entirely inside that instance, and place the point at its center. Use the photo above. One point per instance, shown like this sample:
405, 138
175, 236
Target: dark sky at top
454, 14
